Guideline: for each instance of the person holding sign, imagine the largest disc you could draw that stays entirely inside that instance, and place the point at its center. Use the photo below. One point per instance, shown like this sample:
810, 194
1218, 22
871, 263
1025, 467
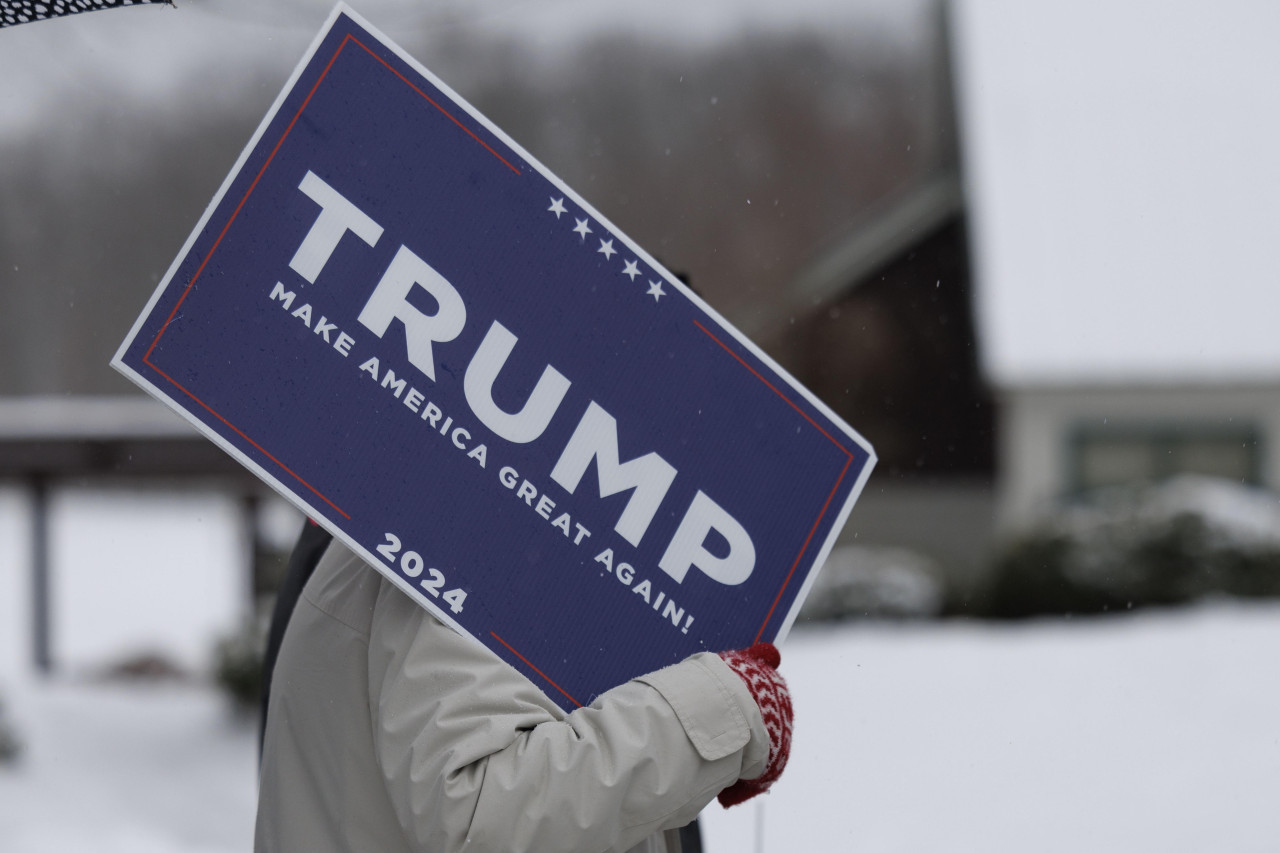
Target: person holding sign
389, 731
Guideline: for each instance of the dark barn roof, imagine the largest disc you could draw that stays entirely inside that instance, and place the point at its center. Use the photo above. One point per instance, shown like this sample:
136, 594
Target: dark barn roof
881, 328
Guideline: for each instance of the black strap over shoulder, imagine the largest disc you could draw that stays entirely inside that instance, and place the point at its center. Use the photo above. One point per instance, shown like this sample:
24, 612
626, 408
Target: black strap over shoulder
691, 838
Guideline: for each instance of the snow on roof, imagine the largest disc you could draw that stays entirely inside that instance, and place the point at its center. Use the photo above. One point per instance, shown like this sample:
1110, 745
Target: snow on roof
1122, 171
89, 418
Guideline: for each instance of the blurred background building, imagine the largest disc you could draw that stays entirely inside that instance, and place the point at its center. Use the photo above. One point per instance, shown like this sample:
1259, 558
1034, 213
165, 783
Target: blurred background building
1123, 242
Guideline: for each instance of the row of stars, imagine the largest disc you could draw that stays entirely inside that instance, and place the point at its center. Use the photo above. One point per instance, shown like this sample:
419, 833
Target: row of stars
631, 268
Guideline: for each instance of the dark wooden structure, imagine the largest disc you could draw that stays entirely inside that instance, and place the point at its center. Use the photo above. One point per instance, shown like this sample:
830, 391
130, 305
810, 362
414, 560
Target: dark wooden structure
48, 441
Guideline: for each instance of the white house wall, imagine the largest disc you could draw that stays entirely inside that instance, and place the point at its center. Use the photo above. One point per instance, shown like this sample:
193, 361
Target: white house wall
1038, 424
951, 522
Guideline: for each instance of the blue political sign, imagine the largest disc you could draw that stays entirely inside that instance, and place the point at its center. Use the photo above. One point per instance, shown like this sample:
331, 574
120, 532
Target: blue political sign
424, 339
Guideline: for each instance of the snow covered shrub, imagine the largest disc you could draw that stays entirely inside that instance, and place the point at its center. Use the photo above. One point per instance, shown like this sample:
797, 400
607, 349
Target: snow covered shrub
238, 665
143, 666
10, 745
1167, 544
860, 582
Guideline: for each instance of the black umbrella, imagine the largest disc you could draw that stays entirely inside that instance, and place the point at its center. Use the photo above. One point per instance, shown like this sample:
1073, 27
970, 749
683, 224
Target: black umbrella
14, 12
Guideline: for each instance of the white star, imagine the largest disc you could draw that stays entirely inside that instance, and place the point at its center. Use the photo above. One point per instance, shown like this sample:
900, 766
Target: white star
631, 270
557, 207
606, 249
582, 228
656, 291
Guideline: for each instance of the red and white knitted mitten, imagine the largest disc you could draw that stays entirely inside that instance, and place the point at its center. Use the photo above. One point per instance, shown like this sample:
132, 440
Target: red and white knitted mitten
758, 668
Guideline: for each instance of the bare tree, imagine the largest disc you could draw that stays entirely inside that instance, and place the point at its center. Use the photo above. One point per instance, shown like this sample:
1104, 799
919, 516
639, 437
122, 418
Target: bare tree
732, 164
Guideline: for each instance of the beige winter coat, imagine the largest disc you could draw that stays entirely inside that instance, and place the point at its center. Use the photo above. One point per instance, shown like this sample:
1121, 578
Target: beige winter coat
390, 732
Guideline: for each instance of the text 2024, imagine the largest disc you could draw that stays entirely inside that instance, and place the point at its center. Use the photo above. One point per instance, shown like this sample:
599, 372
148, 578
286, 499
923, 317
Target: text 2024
412, 564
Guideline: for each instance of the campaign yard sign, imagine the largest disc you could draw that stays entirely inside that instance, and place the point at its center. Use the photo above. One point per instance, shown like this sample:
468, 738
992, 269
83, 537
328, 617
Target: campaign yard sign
414, 331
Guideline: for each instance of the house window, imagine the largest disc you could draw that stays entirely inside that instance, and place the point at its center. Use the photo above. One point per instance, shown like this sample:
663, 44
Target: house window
1135, 455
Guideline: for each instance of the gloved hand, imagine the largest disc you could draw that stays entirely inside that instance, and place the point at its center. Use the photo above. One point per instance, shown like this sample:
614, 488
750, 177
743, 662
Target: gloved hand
758, 668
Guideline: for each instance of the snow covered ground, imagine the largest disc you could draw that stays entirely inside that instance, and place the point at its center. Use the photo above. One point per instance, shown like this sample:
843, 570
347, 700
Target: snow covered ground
1157, 731
119, 769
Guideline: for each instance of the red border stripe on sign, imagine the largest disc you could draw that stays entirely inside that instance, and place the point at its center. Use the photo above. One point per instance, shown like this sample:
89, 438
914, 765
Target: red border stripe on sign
527, 663
826, 506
